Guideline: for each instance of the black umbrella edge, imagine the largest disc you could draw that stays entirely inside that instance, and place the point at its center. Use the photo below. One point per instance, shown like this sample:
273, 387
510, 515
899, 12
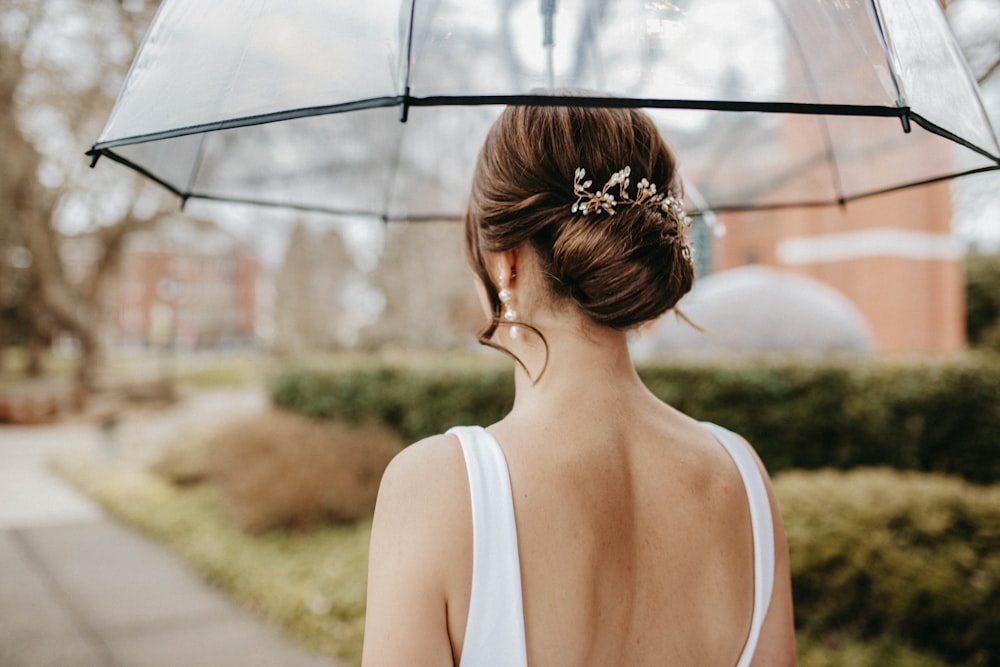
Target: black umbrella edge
184, 196
505, 100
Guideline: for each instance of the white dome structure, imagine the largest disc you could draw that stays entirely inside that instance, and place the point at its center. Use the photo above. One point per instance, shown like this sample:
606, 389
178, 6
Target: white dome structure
755, 309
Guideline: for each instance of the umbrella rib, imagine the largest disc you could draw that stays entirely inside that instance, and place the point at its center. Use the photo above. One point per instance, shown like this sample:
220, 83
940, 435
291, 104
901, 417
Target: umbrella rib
196, 167
947, 134
453, 217
384, 217
871, 193
409, 46
404, 98
111, 155
889, 58
790, 173
247, 121
393, 173
184, 196
824, 128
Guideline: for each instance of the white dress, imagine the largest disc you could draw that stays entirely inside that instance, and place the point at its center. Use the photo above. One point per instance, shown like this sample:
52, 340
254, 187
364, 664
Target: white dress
494, 631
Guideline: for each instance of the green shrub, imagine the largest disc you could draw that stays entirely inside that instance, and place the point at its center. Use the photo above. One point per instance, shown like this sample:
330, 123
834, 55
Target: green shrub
880, 555
982, 297
416, 403
941, 416
932, 416
841, 651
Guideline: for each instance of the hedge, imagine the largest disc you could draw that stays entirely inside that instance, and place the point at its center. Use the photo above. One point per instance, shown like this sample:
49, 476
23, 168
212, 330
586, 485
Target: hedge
982, 299
931, 416
416, 403
939, 416
880, 555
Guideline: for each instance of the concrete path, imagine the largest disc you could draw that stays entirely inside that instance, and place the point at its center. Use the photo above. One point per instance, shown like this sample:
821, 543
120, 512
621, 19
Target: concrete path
78, 589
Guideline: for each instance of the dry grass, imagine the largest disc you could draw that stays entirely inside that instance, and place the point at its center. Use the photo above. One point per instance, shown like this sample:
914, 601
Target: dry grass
281, 469
187, 458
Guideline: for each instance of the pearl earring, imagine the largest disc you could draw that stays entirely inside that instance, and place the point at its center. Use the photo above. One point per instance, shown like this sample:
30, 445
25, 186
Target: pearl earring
509, 313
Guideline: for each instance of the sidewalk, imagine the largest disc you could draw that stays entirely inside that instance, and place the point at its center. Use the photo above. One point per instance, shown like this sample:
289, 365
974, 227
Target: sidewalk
77, 589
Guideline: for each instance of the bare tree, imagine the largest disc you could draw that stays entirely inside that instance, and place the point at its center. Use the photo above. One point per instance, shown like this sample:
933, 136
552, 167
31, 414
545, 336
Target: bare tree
310, 312
430, 298
60, 64
977, 27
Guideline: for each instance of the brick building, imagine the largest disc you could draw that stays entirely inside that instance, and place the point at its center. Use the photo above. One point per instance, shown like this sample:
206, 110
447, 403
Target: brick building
892, 255
184, 282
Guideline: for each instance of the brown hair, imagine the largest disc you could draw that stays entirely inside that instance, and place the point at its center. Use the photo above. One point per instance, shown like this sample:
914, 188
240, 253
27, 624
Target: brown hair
620, 270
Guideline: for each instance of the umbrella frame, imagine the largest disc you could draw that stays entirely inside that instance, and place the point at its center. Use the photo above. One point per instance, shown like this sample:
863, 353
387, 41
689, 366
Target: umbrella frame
548, 7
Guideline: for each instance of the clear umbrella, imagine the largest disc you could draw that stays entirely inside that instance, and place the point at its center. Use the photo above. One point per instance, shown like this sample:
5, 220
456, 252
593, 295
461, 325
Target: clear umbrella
375, 109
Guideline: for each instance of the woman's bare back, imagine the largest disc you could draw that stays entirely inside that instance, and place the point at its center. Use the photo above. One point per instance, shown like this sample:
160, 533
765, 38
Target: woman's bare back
635, 542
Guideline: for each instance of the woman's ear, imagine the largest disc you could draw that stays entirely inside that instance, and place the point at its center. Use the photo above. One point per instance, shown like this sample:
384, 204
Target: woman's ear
507, 264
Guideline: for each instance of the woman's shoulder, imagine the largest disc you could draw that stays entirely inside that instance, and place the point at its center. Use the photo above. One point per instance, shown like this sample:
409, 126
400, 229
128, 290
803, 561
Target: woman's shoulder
421, 550
734, 443
428, 471
423, 506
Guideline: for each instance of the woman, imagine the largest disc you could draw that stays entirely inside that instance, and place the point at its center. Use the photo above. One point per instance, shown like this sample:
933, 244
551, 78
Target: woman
594, 525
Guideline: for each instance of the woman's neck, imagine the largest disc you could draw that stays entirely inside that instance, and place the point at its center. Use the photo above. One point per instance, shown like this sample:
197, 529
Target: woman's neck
586, 364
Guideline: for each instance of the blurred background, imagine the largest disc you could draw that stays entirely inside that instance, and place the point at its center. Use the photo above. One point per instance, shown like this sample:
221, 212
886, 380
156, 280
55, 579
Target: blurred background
98, 265
196, 343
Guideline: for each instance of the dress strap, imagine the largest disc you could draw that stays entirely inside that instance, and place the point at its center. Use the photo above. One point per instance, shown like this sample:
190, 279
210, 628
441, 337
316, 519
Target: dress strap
763, 533
494, 631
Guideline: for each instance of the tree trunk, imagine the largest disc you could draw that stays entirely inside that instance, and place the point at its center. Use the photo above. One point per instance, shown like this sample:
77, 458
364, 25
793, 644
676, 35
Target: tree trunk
35, 367
31, 209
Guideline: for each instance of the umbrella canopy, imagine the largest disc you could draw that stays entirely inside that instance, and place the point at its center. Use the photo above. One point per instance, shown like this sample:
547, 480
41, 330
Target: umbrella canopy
378, 109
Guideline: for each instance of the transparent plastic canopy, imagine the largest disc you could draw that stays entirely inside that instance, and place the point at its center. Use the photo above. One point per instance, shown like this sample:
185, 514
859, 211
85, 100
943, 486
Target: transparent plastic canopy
380, 109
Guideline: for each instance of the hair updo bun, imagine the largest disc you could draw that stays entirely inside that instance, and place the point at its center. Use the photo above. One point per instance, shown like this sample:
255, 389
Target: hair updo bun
620, 268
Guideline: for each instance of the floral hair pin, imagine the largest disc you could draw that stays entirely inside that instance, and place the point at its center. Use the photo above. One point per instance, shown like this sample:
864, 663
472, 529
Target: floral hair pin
607, 201
645, 193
